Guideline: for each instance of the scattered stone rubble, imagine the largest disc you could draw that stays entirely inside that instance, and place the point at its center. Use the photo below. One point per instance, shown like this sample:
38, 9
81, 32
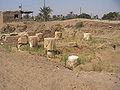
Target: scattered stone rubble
33, 38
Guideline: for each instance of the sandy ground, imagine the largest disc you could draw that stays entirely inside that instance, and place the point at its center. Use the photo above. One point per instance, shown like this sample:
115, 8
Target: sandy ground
23, 71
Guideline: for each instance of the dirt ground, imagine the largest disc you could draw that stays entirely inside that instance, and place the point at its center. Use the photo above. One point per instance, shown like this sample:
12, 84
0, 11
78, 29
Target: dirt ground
30, 70
23, 71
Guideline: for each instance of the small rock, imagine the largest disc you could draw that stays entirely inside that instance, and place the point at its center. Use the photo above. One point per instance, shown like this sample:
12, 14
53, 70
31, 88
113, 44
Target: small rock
110, 26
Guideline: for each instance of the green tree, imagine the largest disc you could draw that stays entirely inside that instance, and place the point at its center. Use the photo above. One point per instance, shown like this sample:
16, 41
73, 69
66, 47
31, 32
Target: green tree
54, 17
38, 18
58, 17
44, 14
71, 15
111, 16
84, 15
27, 16
95, 17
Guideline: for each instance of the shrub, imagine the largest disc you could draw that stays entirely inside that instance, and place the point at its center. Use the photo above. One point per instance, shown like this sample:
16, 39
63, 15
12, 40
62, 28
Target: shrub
64, 59
79, 25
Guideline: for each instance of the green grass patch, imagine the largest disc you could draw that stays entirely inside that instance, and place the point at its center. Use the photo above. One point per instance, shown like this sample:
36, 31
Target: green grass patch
83, 60
94, 40
38, 49
64, 59
35, 49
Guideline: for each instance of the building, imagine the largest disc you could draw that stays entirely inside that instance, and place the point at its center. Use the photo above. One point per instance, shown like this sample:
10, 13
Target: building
10, 16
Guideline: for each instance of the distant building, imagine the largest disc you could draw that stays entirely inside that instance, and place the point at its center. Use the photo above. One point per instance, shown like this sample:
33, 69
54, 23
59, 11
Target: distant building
10, 16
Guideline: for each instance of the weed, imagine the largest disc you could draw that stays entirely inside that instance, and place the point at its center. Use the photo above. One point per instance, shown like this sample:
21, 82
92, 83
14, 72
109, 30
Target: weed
91, 49
94, 40
65, 49
7, 47
35, 49
25, 47
64, 59
97, 67
83, 60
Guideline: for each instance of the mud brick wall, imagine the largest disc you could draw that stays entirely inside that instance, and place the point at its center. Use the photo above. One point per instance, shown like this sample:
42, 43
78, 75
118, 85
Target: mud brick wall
9, 16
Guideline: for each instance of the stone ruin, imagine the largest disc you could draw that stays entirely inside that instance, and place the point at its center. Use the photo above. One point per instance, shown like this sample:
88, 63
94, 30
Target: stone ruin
33, 39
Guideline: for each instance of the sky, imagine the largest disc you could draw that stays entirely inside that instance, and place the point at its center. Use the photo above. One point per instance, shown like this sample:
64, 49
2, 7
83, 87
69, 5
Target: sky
92, 7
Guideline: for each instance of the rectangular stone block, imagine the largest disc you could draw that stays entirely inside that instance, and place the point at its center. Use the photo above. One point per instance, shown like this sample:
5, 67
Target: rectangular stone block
11, 39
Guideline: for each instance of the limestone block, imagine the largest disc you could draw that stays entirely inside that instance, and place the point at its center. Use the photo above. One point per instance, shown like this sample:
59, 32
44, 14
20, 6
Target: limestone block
110, 26
87, 36
23, 40
31, 33
73, 44
72, 61
33, 41
3, 36
58, 35
11, 39
49, 44
39, 36
13, 34
50, 54
23, 34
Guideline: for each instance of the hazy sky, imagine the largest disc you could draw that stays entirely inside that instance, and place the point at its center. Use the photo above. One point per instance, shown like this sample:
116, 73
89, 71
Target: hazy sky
64, 6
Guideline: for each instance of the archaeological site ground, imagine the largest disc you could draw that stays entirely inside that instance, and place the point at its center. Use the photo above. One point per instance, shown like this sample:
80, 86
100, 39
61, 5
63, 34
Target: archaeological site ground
76, 54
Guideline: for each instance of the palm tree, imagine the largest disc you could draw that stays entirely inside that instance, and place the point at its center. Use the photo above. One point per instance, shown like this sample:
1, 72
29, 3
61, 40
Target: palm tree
45, 13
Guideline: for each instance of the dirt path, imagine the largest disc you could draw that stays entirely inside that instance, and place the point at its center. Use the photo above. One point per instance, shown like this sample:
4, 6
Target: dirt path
23, 71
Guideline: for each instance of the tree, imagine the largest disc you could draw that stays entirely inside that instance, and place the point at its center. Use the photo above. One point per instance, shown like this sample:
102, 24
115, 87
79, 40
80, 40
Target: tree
26, 16
58, 17
45, 13
54, 17
84, 15
95, 17
111, 16
38, 18
71, 15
